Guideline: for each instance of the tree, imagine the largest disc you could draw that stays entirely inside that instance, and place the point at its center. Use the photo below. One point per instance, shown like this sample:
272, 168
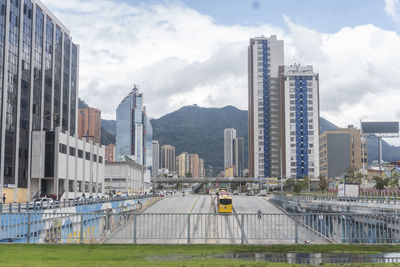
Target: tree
394, 179
290, 183
188, 174
323, 183
380, 182
299, 186
353, 175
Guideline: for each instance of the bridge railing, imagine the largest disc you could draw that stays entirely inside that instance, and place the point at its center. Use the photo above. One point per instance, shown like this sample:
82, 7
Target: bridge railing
66, 203
156, 228
382, 199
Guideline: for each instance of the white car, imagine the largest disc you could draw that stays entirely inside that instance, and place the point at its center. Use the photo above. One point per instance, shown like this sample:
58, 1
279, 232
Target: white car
43, 203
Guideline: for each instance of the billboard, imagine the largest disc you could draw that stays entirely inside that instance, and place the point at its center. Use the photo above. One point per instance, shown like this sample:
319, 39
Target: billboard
381, 128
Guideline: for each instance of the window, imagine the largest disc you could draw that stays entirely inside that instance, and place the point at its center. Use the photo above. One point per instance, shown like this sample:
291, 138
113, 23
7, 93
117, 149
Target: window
94, 158
87, 155
72, 151
292, 108
292, 121
291, 114
62, 149
80, 153
100, 159
291, 95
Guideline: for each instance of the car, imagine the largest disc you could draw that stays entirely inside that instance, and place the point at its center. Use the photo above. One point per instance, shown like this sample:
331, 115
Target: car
44, 203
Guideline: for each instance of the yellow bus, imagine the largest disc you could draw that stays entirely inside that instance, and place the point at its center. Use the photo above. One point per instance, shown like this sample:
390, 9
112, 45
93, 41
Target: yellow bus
224, 203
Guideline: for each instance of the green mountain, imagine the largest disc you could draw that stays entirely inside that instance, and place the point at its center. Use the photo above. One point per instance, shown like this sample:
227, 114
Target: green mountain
194, 129
200, 130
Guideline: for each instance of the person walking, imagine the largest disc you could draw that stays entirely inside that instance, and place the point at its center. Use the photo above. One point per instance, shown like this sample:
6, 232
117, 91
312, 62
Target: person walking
4, 198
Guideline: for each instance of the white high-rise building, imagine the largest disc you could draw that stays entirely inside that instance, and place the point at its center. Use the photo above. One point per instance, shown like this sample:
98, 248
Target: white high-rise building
300, 91
229, 135
265, 55
155, 158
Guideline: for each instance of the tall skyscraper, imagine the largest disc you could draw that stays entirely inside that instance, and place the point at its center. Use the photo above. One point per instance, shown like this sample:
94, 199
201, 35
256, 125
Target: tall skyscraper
155, 158
229, 135
38, 85
89, 124
238, 156
131, 127
149, 144
180, 164
265, 55
168, 160
299, 121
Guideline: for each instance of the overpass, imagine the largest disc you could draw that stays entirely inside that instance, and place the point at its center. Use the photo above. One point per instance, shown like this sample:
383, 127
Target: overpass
166, 180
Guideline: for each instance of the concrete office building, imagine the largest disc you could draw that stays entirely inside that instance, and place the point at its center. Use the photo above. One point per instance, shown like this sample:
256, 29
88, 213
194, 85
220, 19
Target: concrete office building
155, 158
168, 160
229, 135
38, 84
125, 177
110, 153
89, 124
181, 164
202, 171
299, 88
238, 156
342, 149
68, 168
149, 145
131, 128
265, 55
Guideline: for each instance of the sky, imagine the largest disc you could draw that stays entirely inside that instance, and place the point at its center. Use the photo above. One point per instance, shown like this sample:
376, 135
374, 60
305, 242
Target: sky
195, 51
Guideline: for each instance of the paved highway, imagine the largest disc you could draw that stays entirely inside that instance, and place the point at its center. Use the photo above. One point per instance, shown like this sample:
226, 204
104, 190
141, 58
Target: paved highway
174, 218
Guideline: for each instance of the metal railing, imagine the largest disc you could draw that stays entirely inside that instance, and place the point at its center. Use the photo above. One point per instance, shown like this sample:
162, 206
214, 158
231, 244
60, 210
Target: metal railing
378, 199
33, 206
130, 227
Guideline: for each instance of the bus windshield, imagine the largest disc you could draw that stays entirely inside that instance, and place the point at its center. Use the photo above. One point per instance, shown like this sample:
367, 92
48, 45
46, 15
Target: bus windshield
225, 201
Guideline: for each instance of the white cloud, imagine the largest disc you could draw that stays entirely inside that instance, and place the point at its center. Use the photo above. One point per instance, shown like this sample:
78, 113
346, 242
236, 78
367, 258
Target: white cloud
392, 9
181, 57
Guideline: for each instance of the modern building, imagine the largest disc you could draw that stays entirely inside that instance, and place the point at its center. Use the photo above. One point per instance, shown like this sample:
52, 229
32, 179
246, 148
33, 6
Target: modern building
299, 87
168, 159
110, 153
125, 177
155, 158
202, 170
89, 124
229, 172
229, 135
181, 164
131, 128
265, 55
149, 145
38, 85
342, 149
68, 168
238, 156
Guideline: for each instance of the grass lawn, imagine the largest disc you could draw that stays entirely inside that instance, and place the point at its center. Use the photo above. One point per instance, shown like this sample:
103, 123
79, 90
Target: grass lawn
163, 255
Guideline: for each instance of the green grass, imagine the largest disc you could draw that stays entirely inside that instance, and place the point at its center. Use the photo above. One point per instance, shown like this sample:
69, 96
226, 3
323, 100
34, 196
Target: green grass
163, 255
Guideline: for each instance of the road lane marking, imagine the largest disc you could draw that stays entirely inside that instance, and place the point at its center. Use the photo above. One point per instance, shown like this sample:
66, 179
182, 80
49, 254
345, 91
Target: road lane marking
194, 204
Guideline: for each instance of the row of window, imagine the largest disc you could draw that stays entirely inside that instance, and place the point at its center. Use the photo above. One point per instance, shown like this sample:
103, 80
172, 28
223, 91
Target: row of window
72, 152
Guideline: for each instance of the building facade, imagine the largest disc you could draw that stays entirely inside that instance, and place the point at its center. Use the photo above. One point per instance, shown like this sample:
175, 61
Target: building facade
229, 135
299, 87
342, 149
202, 170
38, 85
149, 145
168, 160
131, 128
125, 177
68, 168
155, 158
110, 153
181, 164
238, 156
265, 55
89, 124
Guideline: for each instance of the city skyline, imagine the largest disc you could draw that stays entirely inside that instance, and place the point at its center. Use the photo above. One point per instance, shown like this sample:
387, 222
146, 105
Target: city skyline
327, 48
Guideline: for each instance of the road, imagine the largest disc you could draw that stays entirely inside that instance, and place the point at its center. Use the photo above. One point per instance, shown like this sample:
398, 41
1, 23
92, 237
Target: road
174, 218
